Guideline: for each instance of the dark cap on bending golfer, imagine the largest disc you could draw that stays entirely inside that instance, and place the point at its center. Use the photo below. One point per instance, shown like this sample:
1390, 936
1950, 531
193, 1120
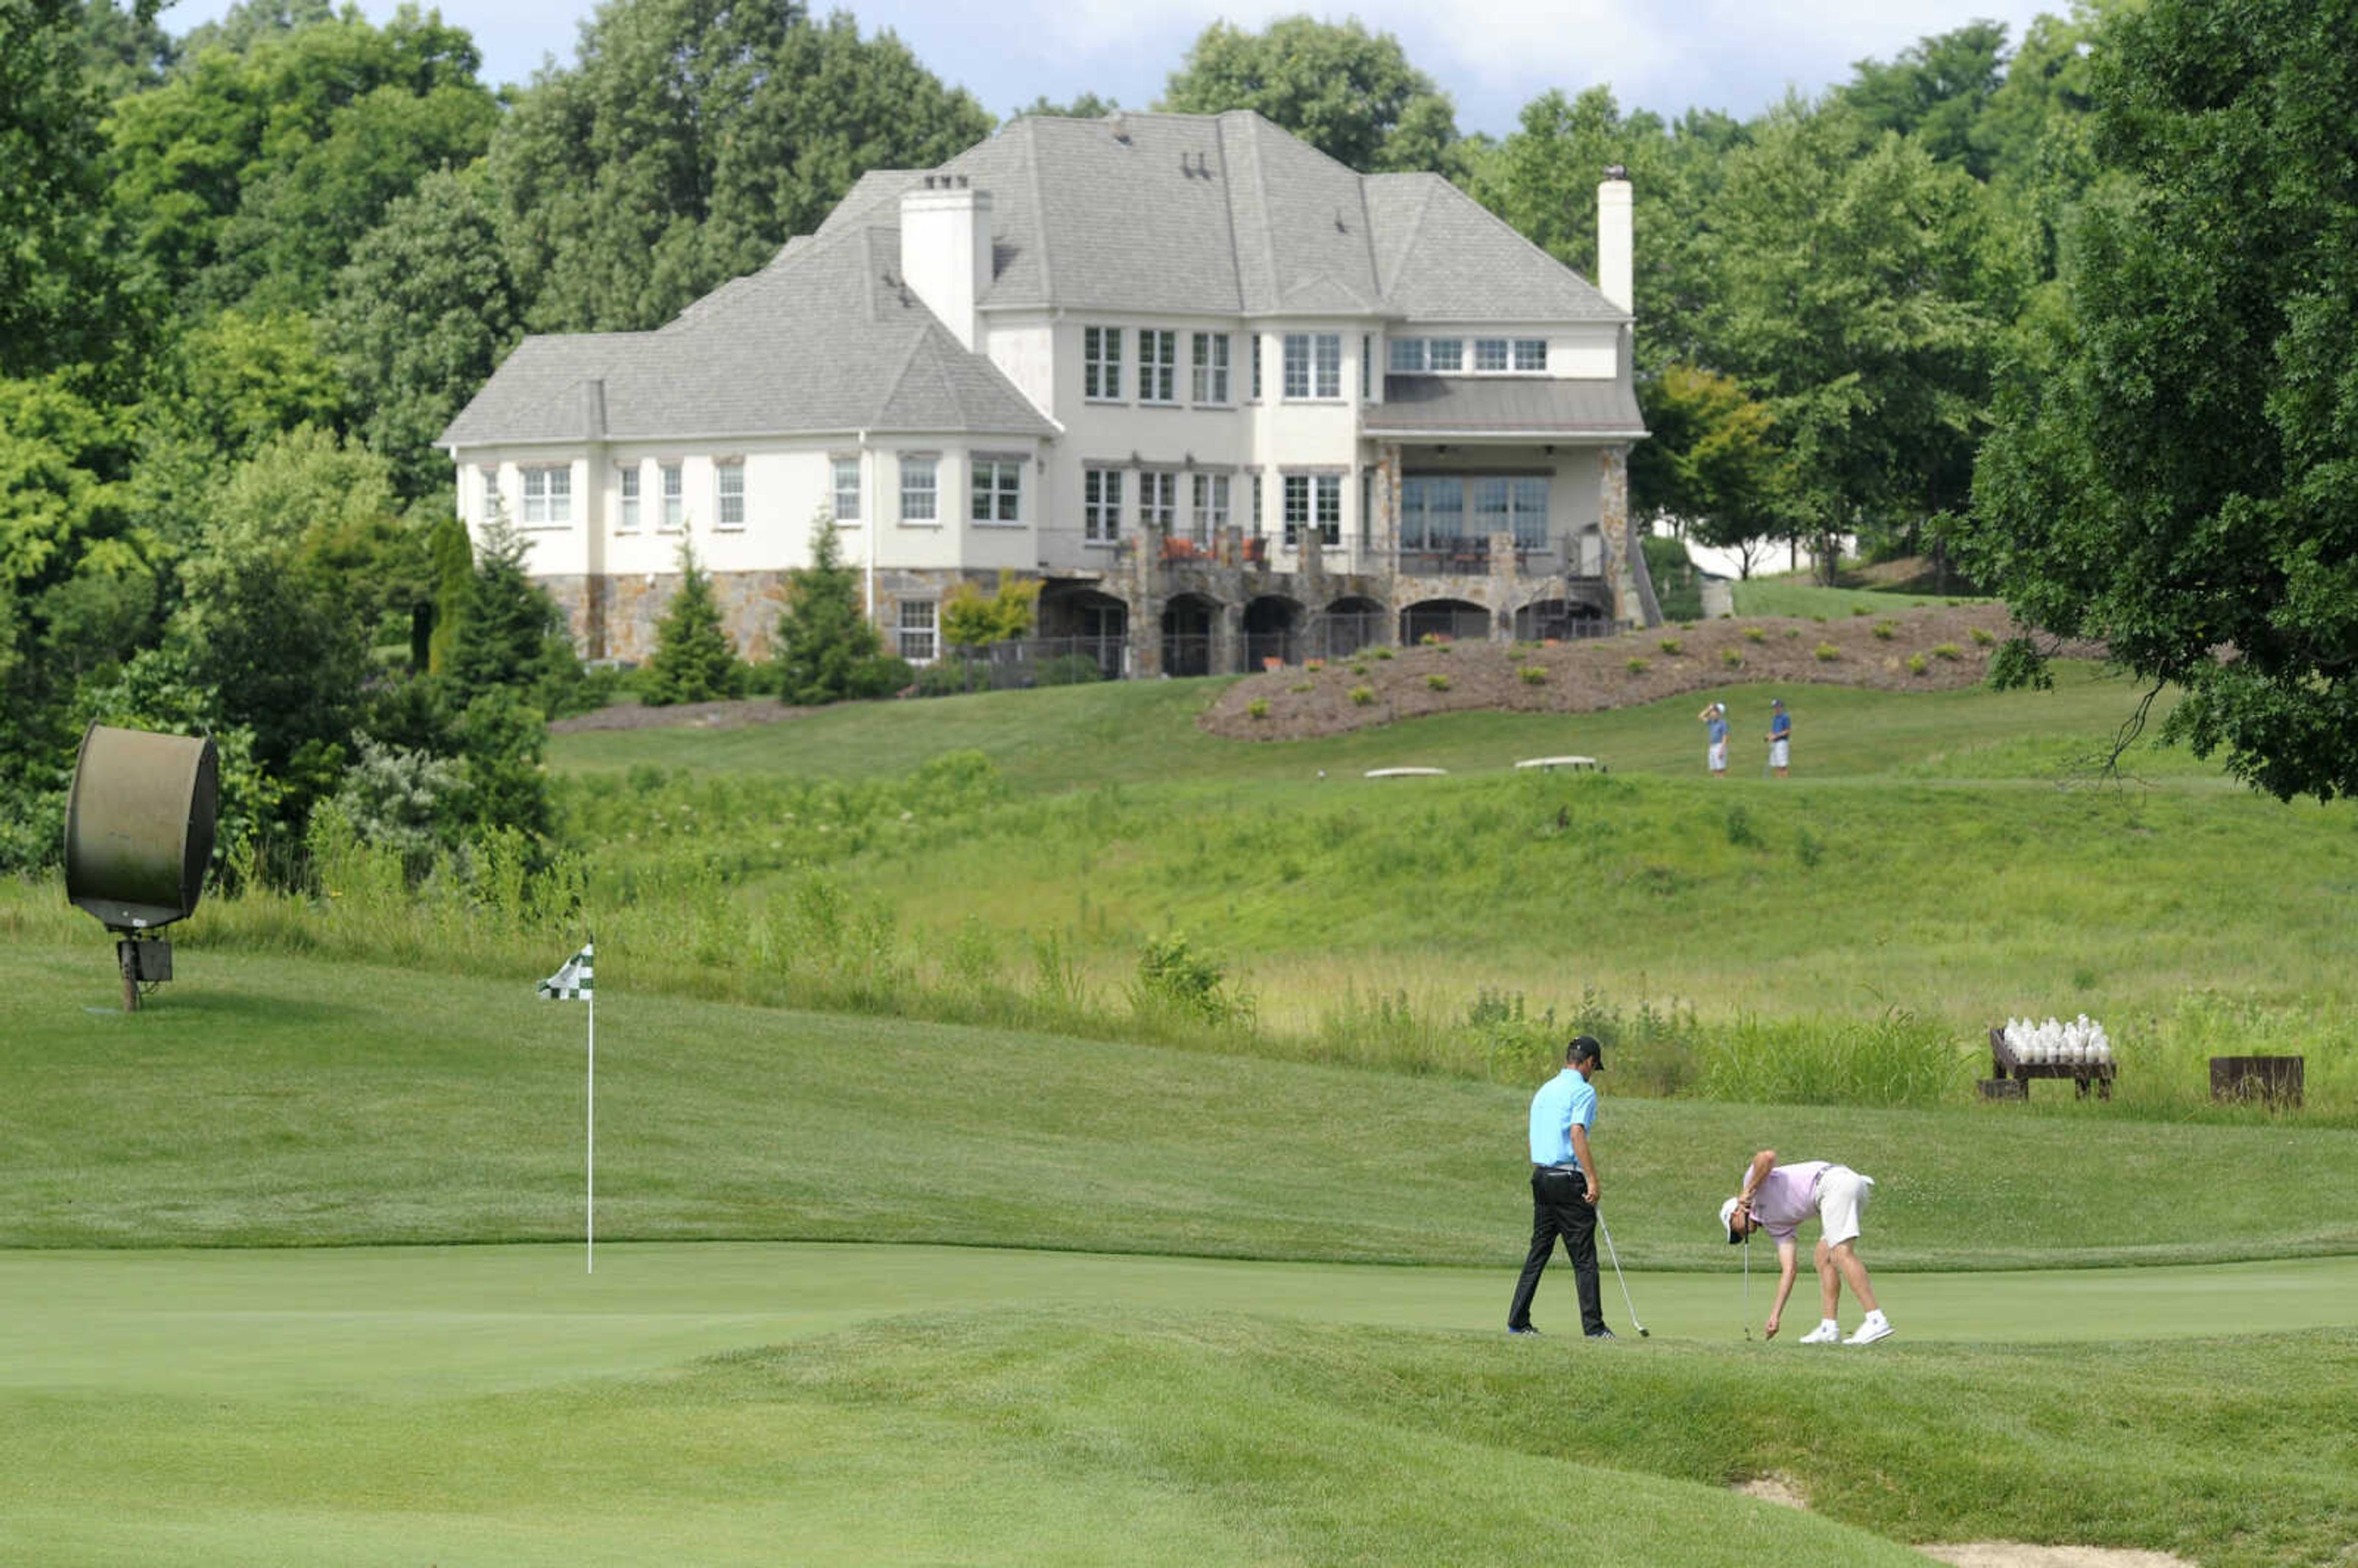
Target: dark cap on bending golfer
1584, 1048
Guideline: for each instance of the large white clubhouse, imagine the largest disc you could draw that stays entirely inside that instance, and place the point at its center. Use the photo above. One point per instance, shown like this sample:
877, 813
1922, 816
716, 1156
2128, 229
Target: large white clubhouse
1225, 398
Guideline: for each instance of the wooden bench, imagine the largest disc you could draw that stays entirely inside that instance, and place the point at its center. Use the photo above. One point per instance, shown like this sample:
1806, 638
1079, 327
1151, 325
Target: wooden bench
2004, 1064
1550, 764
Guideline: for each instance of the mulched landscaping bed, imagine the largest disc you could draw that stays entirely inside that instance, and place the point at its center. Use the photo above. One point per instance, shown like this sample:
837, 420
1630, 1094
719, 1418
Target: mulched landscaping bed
1635, 667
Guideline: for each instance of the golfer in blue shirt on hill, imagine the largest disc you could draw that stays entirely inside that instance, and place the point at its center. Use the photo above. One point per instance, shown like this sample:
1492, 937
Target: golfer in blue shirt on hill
1563, 1188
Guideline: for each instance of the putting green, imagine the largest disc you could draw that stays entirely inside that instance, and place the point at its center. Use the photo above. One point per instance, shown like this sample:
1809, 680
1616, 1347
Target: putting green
430, 1320
758, 1402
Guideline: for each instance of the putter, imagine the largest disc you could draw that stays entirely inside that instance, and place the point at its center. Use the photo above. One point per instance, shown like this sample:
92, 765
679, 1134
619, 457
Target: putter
1748, 1287
1626, 1301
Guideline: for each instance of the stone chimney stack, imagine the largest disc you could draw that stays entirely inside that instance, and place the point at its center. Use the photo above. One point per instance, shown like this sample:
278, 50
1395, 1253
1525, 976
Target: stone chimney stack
1614, 263
945, 250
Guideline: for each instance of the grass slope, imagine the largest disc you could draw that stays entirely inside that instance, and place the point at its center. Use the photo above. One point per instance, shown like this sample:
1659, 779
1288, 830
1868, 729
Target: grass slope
285, 1102
1145, 732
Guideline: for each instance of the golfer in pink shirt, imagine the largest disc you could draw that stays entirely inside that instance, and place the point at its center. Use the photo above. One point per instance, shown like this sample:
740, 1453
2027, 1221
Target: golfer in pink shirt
1778, 1198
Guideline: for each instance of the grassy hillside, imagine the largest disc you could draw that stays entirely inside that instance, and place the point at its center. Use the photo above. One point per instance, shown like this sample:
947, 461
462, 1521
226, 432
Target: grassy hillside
287, 1102
1144, 732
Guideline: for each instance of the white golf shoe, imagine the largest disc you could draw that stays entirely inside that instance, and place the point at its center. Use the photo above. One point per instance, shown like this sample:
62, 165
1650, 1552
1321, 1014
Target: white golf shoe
1827, 1332
1876, 1326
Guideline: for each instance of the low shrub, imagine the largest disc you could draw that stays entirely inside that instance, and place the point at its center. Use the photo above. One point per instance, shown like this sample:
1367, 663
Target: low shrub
1258, 707
1984, 637
1384, 653
1886, 630
1671, 645
1948, 651
1916, 665
1826, 652
1731, 658
1070, 669
1362, 696
1533, 674
1173, 979
1436, 682
1860, 610
1639, 666
1756, 634
1359, 667
1298, 687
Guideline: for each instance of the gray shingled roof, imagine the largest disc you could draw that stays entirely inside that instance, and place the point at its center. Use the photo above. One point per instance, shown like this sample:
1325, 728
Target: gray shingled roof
1181, 214
1446, 404
815, 342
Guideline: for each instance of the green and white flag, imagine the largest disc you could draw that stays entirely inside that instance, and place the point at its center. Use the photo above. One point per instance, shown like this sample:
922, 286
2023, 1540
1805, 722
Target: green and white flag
572, 982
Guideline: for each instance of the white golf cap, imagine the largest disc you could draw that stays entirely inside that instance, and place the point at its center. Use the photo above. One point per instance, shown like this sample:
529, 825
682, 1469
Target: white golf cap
1727, 1220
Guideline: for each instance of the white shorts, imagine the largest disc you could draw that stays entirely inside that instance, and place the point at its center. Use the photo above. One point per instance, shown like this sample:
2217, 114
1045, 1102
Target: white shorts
1778, 751
1718, 757
1842, 1194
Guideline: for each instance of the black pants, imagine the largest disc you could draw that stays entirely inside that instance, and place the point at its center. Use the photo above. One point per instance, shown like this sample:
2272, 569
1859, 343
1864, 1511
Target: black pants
1560, 1206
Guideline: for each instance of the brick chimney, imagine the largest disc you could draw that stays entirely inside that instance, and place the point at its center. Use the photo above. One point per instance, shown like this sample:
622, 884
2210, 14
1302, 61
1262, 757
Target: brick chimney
945, 250
1615, 262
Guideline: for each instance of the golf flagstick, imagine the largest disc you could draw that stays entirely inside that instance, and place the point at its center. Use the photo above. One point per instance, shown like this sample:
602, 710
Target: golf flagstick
575, 982
589, 1151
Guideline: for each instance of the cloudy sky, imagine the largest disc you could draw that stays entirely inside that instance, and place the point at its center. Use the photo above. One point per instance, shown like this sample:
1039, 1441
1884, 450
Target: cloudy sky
1491, 56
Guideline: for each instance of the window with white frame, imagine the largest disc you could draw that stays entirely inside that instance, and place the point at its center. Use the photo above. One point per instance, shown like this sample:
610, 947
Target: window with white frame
998, 491
1100, 506
844, 483
729, 494
1313, 364
1101, 364
1158, 500
1158, 365
920, 491
1256, 366
1314, 499
1211, 367
675, 499
492, 505
626, 519
1446, 356
1211, 514
548, 497
919, 642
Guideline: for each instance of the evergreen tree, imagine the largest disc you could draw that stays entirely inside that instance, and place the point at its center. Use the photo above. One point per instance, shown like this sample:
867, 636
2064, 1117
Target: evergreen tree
827, 649
507, 621
694, 660
453, 556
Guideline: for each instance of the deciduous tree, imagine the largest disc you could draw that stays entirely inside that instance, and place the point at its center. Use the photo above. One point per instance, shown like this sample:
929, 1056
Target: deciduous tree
1348, 92
2175, 467
689, 138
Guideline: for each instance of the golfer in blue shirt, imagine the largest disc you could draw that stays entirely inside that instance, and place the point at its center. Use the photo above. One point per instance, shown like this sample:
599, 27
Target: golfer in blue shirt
1563, 1188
